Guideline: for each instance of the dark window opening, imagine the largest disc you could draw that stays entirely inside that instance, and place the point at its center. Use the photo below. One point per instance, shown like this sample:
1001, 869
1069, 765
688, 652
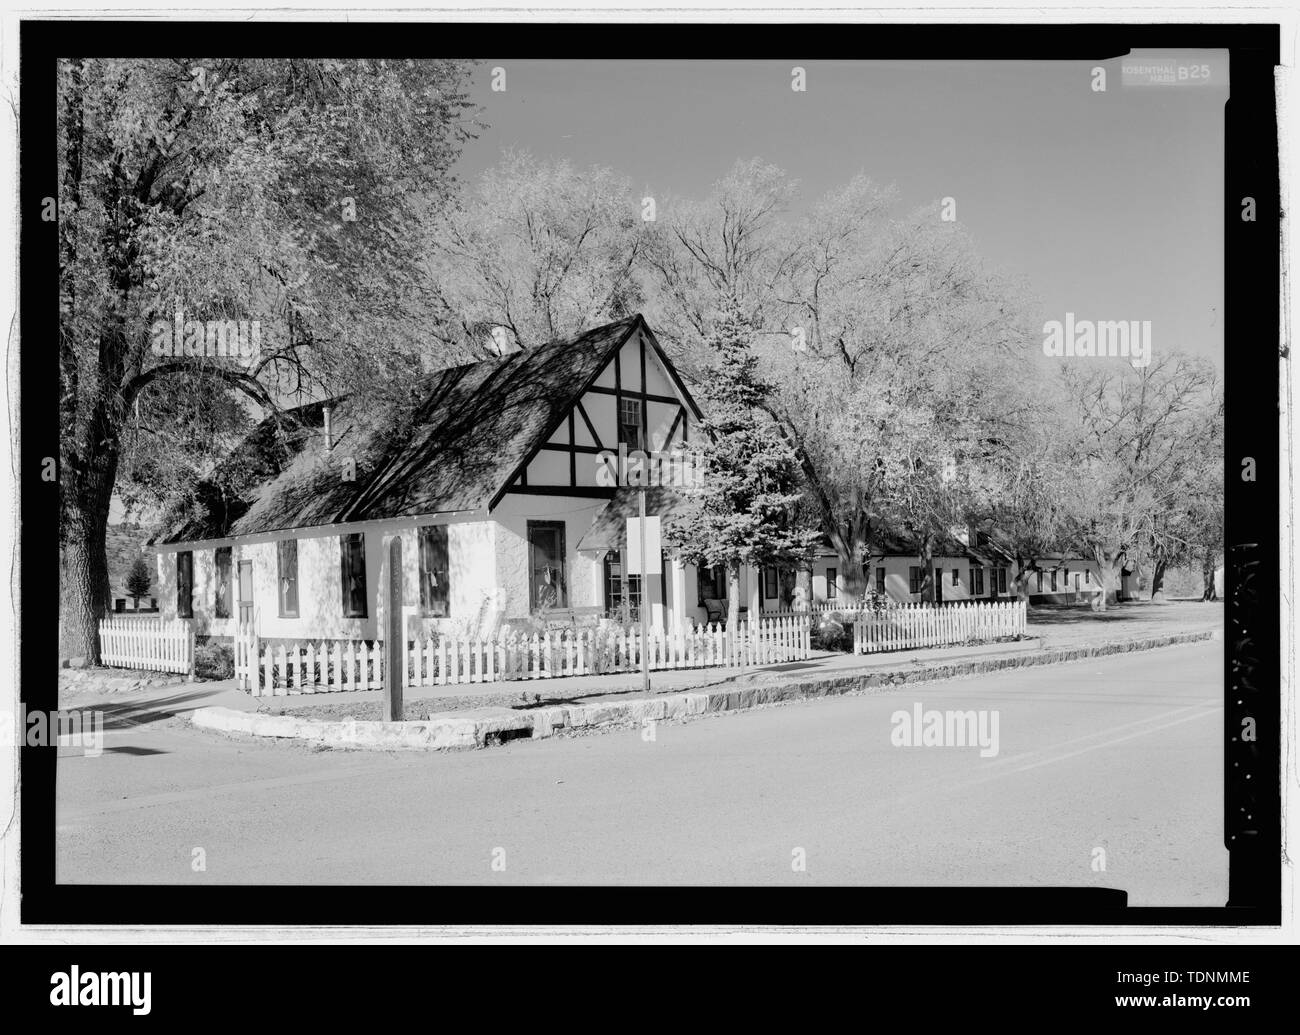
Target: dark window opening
548, 584
353, 549
435, 574
225, 588
614, 588
832, 583
711, 583
287, 555
185, 584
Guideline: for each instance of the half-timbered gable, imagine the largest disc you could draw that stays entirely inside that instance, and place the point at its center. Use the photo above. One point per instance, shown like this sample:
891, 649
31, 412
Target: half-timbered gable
635, 400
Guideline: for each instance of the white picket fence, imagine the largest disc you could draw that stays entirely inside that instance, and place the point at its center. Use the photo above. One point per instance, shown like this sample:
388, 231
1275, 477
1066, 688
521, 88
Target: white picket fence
150, 643
923, 625
323, 666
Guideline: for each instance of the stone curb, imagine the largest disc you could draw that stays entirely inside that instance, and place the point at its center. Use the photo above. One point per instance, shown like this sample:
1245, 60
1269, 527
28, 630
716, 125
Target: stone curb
480, 727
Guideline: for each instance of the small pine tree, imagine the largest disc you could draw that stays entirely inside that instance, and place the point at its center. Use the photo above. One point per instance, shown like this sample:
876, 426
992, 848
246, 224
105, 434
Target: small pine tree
743, 502
138, 580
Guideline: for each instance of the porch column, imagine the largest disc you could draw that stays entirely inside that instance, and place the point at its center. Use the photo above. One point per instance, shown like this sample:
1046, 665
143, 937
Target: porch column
679, 593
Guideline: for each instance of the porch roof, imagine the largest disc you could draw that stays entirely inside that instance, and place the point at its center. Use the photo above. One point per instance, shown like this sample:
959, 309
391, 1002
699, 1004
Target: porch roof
608, 529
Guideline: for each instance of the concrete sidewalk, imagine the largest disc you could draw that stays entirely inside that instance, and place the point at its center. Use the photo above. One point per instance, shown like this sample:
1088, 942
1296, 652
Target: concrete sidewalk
1146, 625
568, 689
477, 727
153, 703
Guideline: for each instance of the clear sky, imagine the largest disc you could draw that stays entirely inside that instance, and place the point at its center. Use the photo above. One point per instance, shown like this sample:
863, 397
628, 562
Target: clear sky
1110, 205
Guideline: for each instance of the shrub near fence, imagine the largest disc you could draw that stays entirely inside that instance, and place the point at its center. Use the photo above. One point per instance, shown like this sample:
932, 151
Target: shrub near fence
147, 643
350, 665
916, 625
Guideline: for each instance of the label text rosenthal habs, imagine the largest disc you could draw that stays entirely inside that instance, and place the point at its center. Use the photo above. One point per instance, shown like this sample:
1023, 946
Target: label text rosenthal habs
101, 989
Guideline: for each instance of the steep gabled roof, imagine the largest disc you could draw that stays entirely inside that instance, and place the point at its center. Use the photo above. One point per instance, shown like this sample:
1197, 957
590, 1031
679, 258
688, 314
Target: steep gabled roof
478, 424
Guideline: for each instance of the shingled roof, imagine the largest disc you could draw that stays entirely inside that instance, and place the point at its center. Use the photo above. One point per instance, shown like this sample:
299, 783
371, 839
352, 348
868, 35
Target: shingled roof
464, 443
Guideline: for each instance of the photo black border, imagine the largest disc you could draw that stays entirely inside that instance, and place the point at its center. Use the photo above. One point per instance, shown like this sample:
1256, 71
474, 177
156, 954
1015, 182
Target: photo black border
1252, 581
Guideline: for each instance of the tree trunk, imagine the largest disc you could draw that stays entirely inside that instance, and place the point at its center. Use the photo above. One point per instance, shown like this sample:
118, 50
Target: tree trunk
1210, 591
926, 557
803, 586
88, 474
788, 578
85, 592
1024, 569
1112, 570
853, 572
1158, 578
733, 596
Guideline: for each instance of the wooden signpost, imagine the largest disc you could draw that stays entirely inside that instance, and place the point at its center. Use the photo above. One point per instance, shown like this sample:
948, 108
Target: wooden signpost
394, 634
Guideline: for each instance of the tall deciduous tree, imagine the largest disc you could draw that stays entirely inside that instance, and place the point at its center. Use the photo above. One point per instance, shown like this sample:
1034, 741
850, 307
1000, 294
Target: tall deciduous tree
905, 358
285, 194
1141, 431
539, 249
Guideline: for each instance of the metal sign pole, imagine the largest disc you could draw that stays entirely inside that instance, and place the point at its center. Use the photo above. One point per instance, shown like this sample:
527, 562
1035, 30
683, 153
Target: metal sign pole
645, 596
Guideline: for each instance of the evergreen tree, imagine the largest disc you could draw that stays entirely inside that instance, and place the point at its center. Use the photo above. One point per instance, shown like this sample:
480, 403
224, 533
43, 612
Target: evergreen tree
138, 580
742, 504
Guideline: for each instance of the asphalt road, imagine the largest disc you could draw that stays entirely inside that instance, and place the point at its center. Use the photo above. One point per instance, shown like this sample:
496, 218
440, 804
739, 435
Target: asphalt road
1122, 754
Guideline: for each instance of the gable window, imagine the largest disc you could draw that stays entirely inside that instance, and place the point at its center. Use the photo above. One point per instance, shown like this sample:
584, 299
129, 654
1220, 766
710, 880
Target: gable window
547, 581
352, 549
435, 573
225, 588
614, 588
286, 551
880, 581
832, 583
711, 583
629, 423
771, 587
914, 579
977, 582
185, 584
